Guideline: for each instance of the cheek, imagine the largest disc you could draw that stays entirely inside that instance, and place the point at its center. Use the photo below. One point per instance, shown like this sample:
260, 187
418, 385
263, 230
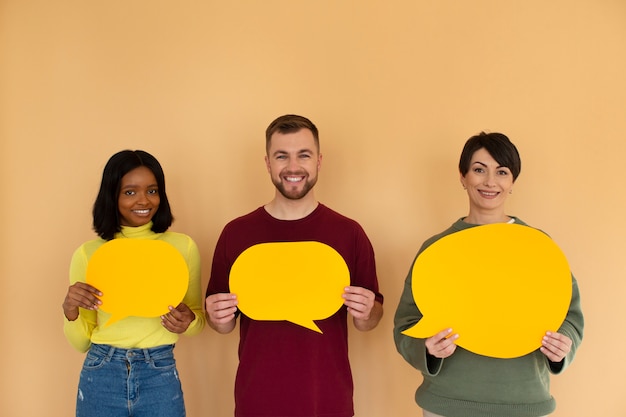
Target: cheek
471, 181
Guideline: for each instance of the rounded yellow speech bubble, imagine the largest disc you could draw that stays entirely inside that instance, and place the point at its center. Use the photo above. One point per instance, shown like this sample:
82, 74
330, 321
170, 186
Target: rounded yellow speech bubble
138, 277
294, 281
499, 286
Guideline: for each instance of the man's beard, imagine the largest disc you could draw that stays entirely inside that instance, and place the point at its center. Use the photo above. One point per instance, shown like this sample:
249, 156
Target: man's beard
295, 194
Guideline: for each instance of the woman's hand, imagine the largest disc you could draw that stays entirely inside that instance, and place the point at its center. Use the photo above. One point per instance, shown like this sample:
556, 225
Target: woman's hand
80, 295
555, 346
178, 319
442, 344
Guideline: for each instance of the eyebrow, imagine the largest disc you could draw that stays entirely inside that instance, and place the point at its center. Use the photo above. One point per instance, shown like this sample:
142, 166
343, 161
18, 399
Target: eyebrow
301, 151
485, 165
136, 186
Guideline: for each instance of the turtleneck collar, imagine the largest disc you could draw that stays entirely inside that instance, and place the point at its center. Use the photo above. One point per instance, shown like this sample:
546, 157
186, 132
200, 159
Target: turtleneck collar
139, 232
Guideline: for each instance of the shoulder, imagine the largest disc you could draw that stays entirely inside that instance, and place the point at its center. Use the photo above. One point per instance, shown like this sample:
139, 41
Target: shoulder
457, 226
246, 220
89, 247
175, 237
330, 215
522, 223
184, 243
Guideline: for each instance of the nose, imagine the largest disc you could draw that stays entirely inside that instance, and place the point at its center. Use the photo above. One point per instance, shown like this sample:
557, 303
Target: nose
490, 180
142, 199
293, 164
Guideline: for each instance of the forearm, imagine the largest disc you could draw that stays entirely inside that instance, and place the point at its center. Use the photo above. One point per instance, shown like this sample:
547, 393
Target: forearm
197, 324
193, 298
572, 327
413, 350
78, 332
78, 323
372, 321
221, 327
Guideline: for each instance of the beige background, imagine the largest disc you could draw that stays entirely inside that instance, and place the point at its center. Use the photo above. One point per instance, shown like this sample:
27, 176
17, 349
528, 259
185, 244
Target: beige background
395, 87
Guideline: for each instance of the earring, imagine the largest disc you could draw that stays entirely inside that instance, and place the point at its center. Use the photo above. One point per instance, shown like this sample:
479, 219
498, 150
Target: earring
511, 191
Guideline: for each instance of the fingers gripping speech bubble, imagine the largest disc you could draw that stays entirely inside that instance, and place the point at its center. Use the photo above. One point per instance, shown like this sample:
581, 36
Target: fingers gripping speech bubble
499, 286
294, 281
138, 277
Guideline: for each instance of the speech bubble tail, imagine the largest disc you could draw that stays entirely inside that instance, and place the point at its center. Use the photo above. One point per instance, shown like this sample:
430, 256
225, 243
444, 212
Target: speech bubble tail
424, 328
309, 324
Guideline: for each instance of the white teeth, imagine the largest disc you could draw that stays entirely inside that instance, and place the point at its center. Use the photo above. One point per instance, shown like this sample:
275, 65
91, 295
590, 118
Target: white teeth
293, 179
141, 211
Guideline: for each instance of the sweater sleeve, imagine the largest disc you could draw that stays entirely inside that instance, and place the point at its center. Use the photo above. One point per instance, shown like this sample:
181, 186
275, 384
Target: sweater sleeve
220, 268
193, 298
413, 350
572, 327
78, 332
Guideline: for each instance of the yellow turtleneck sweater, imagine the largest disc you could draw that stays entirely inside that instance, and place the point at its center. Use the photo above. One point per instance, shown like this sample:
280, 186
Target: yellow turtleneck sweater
134, 332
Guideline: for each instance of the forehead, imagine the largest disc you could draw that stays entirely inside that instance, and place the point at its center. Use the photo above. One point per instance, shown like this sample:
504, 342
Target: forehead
138, 175
302, 140
482, 155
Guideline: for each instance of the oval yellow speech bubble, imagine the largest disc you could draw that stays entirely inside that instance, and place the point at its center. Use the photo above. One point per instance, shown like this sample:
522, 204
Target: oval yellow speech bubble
294, 281
138, 277
499, 286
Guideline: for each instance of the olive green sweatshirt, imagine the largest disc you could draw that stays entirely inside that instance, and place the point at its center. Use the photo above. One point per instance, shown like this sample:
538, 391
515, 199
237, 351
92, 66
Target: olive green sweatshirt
470, 385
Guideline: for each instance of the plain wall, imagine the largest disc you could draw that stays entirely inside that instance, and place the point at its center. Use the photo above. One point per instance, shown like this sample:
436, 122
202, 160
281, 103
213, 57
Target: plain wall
395, 87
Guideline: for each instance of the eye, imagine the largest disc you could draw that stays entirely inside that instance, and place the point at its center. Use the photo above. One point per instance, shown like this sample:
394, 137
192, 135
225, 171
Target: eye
479, 170
305, 156
129, 192
153, 191
281, 157
503, 172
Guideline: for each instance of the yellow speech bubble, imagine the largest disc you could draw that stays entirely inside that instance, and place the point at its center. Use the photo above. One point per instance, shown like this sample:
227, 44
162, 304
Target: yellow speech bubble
138, 277
294, 281
499, 286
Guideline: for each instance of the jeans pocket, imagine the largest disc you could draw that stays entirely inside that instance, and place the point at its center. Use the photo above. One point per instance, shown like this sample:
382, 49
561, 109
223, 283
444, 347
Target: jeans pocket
163, 363
93, 361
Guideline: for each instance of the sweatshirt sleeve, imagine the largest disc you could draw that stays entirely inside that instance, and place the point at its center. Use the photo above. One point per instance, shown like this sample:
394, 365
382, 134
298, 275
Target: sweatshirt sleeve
413, 350
78, 332
572, 327
193, 298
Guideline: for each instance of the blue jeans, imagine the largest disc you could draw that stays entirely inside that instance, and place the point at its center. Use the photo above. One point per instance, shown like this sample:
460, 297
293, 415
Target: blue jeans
118, 382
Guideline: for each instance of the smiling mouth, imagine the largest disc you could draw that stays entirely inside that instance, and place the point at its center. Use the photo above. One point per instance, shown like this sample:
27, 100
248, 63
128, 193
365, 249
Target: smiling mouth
142, 212
488, 193
293, 179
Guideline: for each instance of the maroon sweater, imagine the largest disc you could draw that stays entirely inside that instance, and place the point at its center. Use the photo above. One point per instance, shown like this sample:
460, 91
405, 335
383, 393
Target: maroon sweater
286, 370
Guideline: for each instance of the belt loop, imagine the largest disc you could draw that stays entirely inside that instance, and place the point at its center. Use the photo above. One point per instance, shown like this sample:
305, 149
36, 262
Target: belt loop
146, 355
110, 353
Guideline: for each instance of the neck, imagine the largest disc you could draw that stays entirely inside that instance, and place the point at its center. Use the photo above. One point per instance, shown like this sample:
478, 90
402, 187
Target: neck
486, 218
285, 209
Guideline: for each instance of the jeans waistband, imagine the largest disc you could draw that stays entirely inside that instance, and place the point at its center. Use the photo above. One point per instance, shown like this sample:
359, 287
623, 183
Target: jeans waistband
115, 353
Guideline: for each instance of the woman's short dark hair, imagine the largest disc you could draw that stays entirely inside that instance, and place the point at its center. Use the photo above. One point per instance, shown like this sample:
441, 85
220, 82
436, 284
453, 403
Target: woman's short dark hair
106, 215
499, 147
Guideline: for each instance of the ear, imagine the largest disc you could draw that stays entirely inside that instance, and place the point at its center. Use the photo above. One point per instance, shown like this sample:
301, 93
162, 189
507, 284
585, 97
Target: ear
462, 179
267, 163
319, 162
